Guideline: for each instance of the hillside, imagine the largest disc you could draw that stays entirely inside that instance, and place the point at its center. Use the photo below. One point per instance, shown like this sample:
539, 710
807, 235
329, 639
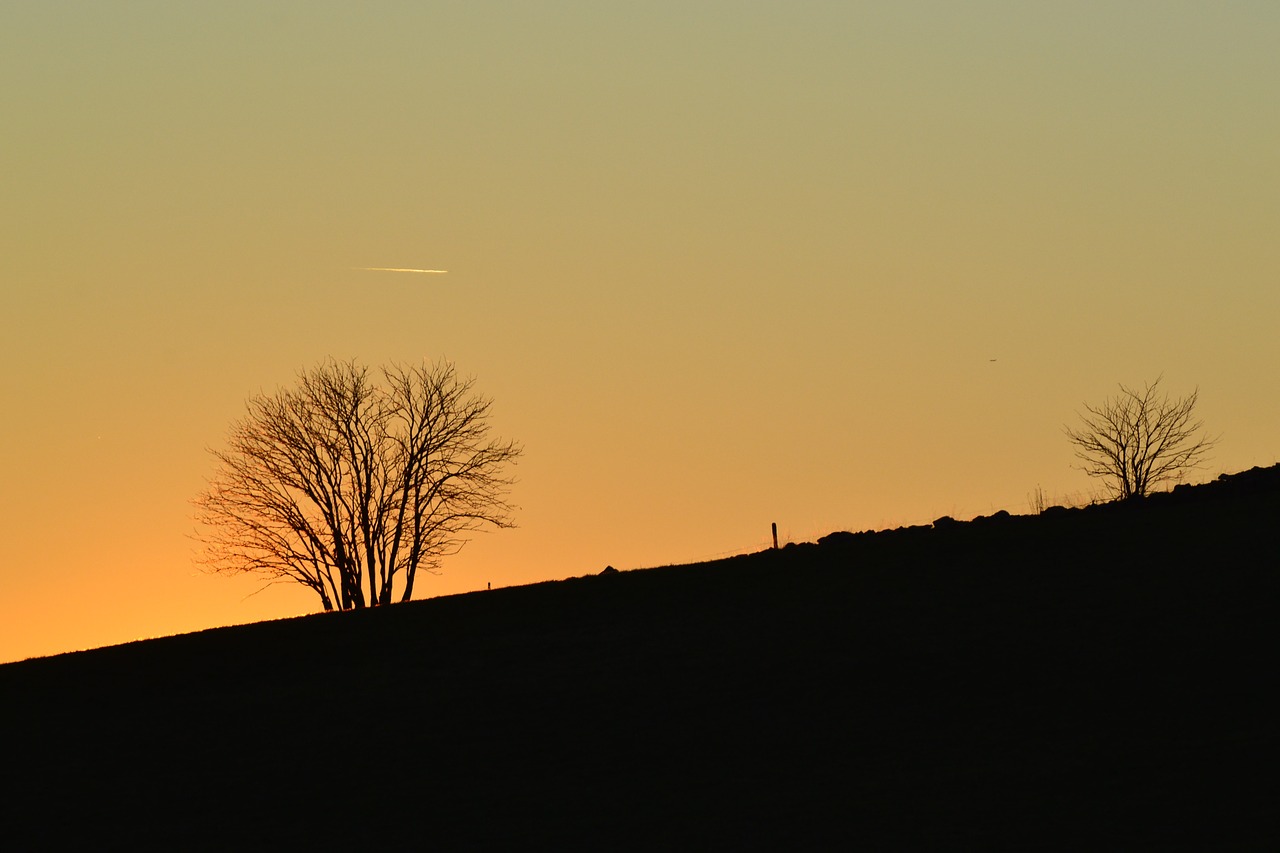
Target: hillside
1083, 678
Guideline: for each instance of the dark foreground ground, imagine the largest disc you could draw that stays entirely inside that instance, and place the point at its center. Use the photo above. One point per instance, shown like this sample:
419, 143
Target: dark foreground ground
1084, 679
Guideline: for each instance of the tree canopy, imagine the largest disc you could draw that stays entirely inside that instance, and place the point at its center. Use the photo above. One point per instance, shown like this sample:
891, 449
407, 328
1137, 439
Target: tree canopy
1139, 439
352, 481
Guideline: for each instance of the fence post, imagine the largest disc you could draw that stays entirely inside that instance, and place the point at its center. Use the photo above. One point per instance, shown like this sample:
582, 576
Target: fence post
775, 536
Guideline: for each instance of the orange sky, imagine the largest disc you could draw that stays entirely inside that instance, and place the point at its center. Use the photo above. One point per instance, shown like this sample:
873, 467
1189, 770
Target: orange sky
718, 264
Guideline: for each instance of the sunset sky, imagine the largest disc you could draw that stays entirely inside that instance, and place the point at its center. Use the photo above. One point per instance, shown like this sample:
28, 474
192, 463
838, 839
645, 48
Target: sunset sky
835, 265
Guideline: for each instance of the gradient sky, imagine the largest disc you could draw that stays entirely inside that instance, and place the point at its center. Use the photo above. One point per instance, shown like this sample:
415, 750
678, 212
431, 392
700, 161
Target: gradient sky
719, 264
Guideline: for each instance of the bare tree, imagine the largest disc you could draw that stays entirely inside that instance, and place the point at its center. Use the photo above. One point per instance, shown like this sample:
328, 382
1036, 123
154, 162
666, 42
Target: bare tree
349, 486
1139, 439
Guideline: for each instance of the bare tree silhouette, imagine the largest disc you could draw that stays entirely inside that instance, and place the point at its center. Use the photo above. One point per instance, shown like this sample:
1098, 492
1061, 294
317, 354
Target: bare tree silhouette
1139, 439
348, 485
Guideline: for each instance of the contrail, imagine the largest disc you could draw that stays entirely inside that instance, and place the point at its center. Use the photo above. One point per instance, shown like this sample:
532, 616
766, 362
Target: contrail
399, 269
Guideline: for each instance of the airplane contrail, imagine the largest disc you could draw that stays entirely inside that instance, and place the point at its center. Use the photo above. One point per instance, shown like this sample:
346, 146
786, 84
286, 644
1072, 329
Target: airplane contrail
399, 269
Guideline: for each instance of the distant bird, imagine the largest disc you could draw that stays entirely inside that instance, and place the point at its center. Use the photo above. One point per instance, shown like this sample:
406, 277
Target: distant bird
399, 269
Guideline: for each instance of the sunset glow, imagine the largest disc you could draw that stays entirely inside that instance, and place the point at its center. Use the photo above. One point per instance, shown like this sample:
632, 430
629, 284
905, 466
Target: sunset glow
718, 265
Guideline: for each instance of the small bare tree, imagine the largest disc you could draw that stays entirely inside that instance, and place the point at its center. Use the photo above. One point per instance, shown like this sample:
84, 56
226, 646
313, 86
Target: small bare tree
348, 486
1139, 439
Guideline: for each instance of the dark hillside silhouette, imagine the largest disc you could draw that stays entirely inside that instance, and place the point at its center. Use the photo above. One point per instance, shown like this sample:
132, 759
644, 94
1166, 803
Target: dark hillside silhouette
1082, 679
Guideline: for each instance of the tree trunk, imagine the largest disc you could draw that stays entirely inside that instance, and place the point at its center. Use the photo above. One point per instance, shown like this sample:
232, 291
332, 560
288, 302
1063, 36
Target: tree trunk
408, 582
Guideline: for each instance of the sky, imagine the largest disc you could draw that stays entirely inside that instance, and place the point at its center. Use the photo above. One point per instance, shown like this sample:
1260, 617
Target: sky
830, 265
